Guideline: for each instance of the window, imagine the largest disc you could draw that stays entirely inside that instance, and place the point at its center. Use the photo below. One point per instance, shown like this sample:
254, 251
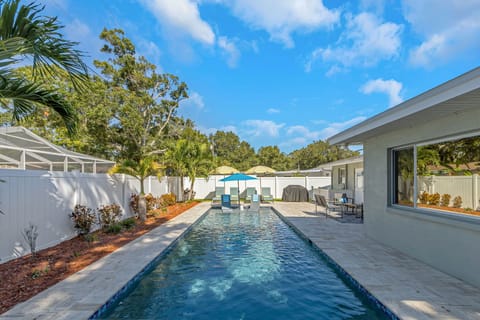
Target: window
341, 175
438, 175
403, 176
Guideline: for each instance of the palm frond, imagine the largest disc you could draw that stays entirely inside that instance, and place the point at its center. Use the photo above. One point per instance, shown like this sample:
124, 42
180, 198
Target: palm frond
24, 32
24, 95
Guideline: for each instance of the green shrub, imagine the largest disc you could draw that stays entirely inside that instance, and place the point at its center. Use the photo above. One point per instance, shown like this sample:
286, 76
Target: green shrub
434, 199
84, 218
445, 202
92, 237
457, 202
423, 198
109, 214
128, 223
114, 228
168, 199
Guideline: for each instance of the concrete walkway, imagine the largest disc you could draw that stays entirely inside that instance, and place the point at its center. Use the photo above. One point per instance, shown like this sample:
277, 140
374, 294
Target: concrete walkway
83, 293
409, 288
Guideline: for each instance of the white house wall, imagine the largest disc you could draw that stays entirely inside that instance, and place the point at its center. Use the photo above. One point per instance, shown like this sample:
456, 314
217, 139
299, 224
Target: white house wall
449, 242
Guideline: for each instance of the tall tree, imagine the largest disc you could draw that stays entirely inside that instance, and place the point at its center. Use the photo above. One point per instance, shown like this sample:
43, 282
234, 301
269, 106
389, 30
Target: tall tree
146, 101
317, 153
230, 151
271, 156
25, 33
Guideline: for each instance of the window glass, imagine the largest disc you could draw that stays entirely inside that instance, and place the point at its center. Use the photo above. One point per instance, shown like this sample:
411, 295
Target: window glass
403, 193
447, 176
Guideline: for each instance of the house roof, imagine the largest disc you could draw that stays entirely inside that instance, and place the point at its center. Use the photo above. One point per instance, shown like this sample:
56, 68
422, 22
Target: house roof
328, 166
21, 148
457, 95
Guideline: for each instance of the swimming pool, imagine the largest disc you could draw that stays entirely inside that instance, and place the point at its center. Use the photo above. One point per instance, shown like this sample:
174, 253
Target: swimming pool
243, 265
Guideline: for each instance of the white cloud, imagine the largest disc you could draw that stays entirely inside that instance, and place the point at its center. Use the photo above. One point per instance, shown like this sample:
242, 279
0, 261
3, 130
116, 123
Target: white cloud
281, 18
365, 41
263, 128
390, 87
335, 127
447, 27
209, 131
304, 132
195, 100
272, 110
230, 50
181, 16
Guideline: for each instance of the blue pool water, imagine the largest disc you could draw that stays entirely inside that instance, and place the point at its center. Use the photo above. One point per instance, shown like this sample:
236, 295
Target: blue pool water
244, 265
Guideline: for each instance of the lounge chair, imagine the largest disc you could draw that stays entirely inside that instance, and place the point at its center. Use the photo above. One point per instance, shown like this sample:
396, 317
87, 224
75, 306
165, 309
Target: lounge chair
322, 202
234, 194
218, 195
266, 194
250, 192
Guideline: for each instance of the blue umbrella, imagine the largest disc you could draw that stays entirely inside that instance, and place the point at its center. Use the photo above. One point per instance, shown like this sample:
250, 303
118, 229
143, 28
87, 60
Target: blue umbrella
238, 177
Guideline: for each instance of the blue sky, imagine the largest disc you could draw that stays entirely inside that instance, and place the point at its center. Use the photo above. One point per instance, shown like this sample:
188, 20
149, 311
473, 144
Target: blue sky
288, 72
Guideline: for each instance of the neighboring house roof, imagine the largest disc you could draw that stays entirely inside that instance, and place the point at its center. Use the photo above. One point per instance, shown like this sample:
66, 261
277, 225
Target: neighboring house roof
457, 95
328, 166
307, 172
42, 154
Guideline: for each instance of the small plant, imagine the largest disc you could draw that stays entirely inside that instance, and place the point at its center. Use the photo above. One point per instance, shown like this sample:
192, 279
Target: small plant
423, 198
151, 202
37, 273
134, 203
468, 209
445, 202
114, 228
128, 223
168, 199
84, 218
30, 234
109, 214
434, 199
457, 202
76, 254
91, 237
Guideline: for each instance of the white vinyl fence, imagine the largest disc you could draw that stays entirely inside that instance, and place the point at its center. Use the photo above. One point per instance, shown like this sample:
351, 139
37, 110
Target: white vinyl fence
465, 186
45, 199
205, 187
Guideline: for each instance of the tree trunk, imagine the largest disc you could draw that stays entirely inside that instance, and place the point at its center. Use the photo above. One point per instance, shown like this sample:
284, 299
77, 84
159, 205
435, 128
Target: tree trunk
142, 207
142, 203
190, 194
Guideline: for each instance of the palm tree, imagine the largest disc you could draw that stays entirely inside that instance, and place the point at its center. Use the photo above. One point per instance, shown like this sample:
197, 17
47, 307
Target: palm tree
141, 170
24, 33
190, 158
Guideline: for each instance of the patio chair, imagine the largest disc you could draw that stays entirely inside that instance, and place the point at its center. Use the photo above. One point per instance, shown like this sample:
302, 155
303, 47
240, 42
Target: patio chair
266, 194
234, 194
218, 194
250, 192
322, 202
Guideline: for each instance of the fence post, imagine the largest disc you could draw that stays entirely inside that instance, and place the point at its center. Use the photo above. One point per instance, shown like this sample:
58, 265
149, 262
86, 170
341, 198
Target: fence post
474, 191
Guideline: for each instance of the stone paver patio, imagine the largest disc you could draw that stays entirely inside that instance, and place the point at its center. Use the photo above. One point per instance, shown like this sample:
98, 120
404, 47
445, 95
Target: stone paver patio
409, 288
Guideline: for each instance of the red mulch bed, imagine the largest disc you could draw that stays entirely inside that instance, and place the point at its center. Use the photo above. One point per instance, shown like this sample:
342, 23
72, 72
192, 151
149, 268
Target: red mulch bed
456, 210
24, 277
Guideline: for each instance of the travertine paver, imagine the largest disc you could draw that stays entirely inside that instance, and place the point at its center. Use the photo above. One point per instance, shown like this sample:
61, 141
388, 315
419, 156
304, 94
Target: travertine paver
408, 287
83, 293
